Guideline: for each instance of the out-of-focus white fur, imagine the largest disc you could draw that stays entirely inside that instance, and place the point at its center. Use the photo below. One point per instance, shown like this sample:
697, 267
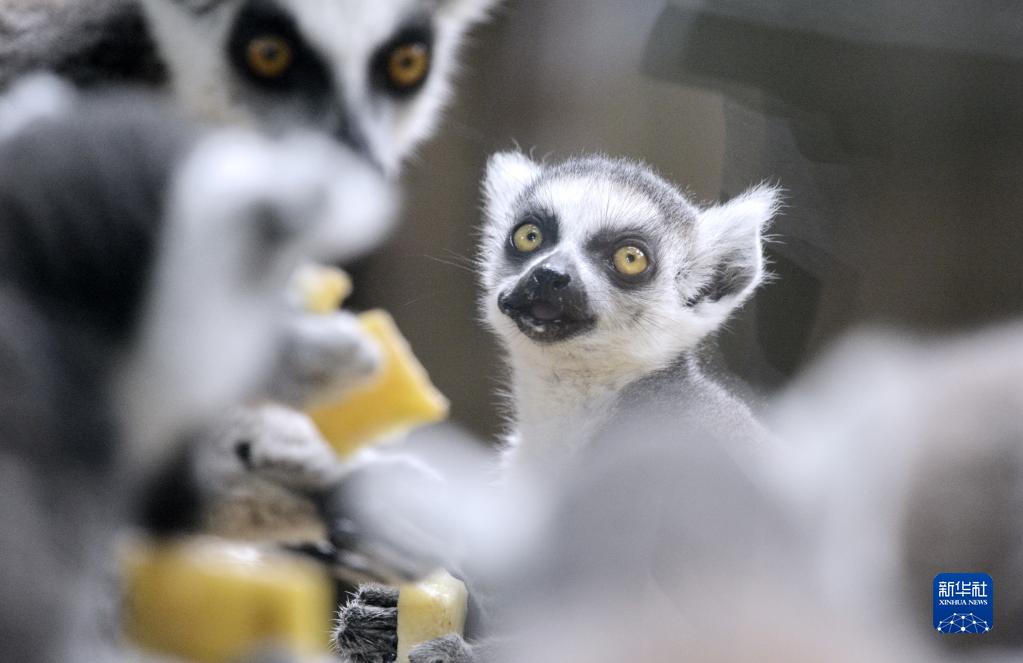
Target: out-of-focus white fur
35, 97
259, 468
906, 460
323, 356
244, 212
347, 33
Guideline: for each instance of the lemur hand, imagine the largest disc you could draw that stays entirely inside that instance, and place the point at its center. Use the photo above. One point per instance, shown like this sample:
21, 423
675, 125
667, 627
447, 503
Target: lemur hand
266, 474
367, 632
367, 626
449, 649
322, 357
261, 470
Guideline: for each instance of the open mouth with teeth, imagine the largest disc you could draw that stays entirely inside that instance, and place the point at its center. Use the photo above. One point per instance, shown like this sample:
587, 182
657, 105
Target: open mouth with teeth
544, 320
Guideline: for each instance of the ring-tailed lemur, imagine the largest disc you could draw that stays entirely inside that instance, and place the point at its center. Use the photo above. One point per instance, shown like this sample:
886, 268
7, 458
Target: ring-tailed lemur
596, 275
142, 269
375, 75
601, 279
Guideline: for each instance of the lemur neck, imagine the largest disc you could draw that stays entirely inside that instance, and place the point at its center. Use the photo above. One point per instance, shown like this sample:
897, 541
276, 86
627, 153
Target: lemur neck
559, 406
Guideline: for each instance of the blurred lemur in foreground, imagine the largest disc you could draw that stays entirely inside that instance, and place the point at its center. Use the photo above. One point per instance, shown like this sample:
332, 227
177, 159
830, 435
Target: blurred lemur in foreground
374, 76
143, 265
601, 279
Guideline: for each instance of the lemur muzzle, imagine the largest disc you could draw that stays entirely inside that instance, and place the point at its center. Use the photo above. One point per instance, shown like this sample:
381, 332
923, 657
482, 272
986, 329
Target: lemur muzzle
549, 302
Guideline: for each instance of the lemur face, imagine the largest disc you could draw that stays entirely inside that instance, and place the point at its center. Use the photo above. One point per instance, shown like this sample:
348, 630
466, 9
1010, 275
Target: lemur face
595, 255
374, 74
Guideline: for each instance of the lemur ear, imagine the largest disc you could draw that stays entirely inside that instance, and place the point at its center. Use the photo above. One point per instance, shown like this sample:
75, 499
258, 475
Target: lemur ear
728, 261
508, 173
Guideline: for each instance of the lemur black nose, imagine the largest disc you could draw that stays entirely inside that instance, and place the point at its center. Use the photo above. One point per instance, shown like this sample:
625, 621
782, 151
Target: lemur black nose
549, 302
550, 279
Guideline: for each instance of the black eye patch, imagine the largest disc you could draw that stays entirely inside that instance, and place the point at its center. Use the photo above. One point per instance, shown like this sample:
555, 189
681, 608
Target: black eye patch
603, 245
401, 66
267, 50
546, 221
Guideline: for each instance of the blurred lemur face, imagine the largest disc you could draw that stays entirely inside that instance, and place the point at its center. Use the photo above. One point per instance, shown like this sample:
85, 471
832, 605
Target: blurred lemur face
596, 255
374, 74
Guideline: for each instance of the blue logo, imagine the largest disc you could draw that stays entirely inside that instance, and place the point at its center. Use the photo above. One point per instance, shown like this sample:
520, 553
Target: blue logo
964, 603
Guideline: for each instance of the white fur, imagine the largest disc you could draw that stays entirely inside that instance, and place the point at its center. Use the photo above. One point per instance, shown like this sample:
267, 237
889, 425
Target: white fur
347, 33
218, 302
36, 97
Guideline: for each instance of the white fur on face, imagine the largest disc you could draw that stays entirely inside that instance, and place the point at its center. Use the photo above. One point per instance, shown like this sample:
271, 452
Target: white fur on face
346, 34
643, 328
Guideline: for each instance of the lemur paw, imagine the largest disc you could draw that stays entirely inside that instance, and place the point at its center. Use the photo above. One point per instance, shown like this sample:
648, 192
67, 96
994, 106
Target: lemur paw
383, 519
273, 443
262, 469
367, 626
323, 356
449, 649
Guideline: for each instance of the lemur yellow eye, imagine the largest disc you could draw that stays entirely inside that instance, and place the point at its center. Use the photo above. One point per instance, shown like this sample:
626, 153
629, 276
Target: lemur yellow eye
269, 57
527, 238
407, 64
630, 261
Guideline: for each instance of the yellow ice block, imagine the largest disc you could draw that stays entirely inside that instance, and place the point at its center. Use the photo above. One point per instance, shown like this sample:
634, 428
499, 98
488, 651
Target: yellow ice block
321, 289
430, 609
401, 397
212, 601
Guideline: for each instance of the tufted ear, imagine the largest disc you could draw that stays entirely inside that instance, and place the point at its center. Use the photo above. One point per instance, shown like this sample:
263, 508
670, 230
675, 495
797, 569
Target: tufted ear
728, 262
508, 174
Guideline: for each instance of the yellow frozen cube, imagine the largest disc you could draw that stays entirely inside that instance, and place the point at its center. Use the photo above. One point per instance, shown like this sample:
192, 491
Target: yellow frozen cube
321, 289
211, 601
430, 609
401, 397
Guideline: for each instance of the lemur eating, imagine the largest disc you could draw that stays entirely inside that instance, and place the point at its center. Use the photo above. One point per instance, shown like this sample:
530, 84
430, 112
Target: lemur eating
601, 279
374, 77
143, 264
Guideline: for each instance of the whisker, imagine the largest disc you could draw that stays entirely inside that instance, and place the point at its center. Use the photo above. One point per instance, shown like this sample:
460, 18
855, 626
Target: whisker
416, 300
458, 256
450, 263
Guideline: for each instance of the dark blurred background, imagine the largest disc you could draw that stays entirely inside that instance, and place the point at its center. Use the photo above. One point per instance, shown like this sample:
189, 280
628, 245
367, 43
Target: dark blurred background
895, 128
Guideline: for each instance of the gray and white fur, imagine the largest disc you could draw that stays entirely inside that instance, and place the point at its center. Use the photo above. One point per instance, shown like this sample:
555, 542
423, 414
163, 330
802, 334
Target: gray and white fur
704, 262
337, 79
905, 461
597, 355
143, 263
